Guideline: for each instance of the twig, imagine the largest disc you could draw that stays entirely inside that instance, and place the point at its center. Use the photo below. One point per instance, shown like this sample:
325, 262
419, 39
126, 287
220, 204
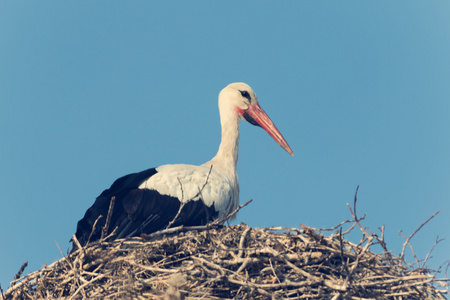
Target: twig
446, 275
242, 241
336, 297
1, 290
68, 261
446, 269
343, 259
75, 240
181, 228
431, 250
382, 241
112, 233
22, 268
410, 247
230, 215
243, 265
273, 271
335, 227
353, 226
93, 229
353, 213
85, 284
402, 254
206, 182
354, 201
17, 284
108, 217
183, 203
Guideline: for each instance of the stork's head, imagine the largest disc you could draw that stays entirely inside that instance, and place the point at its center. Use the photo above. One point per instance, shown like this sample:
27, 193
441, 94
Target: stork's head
243, 101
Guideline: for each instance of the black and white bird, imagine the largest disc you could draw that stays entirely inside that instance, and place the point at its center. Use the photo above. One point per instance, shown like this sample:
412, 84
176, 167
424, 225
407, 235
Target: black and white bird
149, 201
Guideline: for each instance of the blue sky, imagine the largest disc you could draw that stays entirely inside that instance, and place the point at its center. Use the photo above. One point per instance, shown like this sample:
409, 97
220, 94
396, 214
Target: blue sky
93, 90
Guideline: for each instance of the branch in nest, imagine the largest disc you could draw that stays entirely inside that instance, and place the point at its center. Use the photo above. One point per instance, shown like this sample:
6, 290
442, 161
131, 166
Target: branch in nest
431, 250
1, 290
75, 240
181, 228
353, 213
411, 236
355, 218
187, 228
183, 203
230, 215
93, 229
22, 268
340, 225
108, 218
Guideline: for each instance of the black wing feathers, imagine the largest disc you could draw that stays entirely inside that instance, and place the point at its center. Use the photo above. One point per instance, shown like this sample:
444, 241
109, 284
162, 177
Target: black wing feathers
120, 188
138, 211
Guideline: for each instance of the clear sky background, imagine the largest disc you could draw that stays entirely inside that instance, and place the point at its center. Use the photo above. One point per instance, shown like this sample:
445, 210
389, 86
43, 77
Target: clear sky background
93, 90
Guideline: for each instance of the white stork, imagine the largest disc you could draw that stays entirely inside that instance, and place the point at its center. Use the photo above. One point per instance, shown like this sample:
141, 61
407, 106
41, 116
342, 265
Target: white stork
148, 201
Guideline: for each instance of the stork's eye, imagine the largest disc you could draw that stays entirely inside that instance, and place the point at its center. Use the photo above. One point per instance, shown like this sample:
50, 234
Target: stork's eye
245, 94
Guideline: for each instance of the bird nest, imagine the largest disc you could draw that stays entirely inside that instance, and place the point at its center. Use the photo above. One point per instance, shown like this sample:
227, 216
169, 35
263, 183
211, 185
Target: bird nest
233, 262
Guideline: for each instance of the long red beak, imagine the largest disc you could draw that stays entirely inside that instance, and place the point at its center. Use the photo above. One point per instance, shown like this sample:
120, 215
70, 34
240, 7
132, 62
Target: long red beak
260, 118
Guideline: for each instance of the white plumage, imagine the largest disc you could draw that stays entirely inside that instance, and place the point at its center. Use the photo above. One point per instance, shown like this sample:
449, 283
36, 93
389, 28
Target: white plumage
197, 182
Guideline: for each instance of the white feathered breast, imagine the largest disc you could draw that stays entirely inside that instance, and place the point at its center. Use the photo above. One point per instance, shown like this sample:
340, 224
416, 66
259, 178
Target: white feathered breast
188, 182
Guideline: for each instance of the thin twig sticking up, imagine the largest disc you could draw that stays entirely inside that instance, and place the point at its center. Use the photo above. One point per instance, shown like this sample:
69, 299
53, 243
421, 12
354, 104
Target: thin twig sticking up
402, 255
108, 218
183, 203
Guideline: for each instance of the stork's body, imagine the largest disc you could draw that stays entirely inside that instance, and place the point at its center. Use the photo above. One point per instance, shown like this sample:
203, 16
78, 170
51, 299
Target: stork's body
148, 201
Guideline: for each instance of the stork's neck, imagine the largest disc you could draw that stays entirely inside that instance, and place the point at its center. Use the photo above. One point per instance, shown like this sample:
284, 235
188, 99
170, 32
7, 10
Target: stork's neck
227, 156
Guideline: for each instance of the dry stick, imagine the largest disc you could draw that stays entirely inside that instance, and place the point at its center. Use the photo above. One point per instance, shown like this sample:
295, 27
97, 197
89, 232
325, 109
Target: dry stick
446, 270
75, 240
1, 290
368, 236
113, 232
221, 221
183, 203
273, 271
344, 262
22, 268
93, 229
431, 250
337, 226
108, 218
336, 297
382, 242
287, 229
242, 241
353, 226
15, 285
243, 265
315, 279
412, 249
354, 200
353, 213
216, 222
410, 237
173, 230
81, 287
65, 257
